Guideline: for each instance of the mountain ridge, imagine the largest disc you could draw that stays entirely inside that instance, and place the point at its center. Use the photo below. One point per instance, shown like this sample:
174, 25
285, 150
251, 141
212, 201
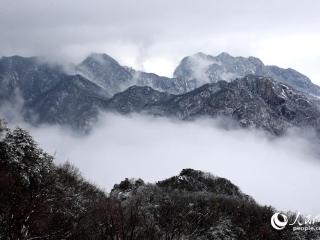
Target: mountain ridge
251, 101
206, 68
50, 95
108, 73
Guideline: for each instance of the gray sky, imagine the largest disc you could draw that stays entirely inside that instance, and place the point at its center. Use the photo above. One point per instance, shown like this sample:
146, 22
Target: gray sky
155, 35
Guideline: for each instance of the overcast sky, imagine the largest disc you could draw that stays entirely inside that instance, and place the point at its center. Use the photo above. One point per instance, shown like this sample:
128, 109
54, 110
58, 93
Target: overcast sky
153, 35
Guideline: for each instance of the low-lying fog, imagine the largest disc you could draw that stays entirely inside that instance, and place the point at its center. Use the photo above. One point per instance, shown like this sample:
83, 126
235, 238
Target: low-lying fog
282, 172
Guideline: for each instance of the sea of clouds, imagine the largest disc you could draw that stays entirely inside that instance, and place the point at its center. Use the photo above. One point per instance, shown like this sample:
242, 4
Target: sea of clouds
282, 171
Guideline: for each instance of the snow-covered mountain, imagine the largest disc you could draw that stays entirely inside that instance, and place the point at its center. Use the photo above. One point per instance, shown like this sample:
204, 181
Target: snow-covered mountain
252, 101
47, 94
28, 77
203, 68
110, 75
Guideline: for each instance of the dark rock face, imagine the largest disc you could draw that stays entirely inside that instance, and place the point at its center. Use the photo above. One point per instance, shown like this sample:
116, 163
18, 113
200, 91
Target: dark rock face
203, 68
252, 101
135, 99
75, 102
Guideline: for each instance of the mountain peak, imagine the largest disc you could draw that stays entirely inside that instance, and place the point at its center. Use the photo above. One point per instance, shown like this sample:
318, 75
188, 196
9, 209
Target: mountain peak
201, 68
194, 173
201, 55
18, 60
224, 55
104, 71
191, 180
100, 58
18, 57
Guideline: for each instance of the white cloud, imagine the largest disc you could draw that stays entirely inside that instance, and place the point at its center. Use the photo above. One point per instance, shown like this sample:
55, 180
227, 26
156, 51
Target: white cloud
282, 172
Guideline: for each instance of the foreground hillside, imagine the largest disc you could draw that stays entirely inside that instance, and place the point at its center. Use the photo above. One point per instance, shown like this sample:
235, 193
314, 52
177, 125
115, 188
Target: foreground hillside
39, 200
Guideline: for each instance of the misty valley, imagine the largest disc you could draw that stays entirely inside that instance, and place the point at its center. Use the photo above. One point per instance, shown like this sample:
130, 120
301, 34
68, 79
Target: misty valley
98, 150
